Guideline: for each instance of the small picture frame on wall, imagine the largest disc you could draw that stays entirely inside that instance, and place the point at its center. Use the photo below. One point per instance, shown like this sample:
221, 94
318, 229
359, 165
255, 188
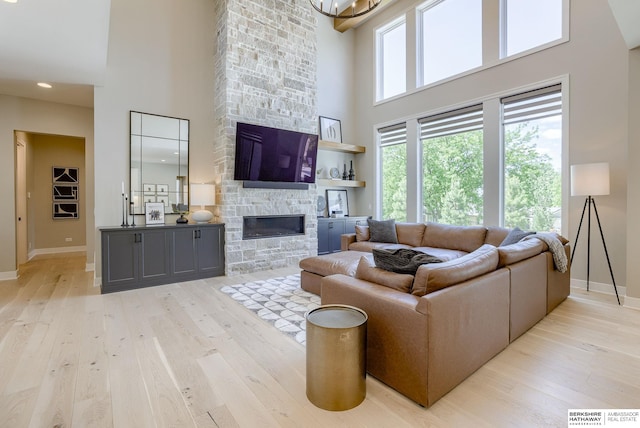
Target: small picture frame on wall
149, 189
65, 210
154, 212
337, 203
162, 189
330, 130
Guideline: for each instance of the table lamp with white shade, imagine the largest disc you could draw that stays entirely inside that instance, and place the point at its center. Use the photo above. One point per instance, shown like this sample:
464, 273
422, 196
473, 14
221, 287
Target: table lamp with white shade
591, 179
202, 194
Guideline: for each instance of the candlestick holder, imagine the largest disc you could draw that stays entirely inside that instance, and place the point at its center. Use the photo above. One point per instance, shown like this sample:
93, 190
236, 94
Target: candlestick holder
124, 210
133, 214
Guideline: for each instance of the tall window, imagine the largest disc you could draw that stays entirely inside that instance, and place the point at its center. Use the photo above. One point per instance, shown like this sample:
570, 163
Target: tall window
533, 159
393, 153
391, 53
450, 38
529, 23
452, 164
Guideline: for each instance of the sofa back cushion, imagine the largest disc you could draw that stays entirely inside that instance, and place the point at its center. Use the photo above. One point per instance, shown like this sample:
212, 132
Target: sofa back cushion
410, 233
513, 253
362, 233
495, 235
368, 271
432, 277
465, 238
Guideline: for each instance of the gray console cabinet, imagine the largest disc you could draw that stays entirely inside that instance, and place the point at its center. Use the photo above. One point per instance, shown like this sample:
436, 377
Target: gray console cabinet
331, 229
153, 255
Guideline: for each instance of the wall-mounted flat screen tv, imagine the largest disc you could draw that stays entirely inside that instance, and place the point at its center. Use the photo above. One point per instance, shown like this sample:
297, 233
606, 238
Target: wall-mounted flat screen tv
277, 155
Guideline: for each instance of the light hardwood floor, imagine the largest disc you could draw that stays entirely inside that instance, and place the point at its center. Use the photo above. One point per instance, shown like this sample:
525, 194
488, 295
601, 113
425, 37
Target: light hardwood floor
186, 355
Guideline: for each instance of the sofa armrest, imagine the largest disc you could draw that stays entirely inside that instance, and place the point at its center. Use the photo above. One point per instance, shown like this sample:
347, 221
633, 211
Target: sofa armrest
510, 254
347, 239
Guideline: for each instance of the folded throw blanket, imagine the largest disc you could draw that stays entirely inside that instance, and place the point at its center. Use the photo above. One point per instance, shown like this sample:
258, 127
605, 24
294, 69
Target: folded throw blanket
402, 260
555, 246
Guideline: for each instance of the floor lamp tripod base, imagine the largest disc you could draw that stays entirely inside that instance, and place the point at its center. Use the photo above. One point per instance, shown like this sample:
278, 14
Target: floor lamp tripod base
590, 202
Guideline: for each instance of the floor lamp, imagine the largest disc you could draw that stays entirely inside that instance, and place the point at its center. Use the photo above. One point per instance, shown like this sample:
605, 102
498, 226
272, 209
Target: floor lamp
589, 180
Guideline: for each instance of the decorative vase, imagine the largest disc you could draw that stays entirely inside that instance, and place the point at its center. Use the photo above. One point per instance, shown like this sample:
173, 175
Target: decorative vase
344, 172
352, 175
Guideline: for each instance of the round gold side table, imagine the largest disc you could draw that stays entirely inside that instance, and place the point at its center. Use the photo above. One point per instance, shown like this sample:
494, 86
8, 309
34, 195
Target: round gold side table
336, 356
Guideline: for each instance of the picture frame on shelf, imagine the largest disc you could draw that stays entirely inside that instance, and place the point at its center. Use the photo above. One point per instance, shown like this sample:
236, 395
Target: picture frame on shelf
330, 129
337, 203
154, 212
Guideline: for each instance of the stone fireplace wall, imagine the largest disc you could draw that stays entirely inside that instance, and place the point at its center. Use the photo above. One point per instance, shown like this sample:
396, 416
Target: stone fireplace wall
265, 65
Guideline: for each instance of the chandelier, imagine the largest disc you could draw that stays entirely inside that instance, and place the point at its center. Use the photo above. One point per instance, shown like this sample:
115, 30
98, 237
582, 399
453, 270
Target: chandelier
353, 12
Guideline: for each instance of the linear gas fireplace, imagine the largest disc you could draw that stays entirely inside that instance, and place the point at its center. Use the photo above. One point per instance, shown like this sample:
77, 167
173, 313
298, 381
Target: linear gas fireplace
255, 227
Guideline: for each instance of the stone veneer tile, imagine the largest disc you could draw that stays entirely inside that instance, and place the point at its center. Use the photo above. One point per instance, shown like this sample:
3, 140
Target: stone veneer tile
265, 73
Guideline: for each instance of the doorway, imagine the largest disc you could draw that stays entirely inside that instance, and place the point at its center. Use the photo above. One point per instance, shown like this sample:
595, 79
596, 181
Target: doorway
50, 207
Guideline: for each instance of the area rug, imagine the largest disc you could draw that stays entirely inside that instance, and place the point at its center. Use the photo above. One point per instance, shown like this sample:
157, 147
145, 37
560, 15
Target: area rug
279, 301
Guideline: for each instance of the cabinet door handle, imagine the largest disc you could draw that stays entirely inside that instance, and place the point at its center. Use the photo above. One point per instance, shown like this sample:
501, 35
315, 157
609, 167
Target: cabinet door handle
199, 234
331, 225
137, 237
196, 234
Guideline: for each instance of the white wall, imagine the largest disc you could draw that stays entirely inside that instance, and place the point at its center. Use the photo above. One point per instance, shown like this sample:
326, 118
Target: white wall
633, 226
596, 62
40, 117
160, 61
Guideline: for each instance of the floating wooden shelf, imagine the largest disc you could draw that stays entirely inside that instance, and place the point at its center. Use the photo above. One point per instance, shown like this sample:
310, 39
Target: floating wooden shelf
340, 183
339, 147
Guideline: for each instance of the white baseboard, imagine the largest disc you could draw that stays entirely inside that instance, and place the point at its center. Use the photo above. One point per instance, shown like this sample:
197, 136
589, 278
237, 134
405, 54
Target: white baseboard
89, 267
97, 281
39, 251
5, 276
600, 287
632, 302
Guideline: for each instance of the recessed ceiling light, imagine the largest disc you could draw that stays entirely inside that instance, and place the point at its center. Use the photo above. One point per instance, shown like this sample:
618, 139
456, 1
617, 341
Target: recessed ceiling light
44, 85
11, 1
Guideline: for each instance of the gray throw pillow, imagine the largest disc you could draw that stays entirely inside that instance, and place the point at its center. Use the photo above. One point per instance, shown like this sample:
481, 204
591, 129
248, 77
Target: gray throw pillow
515, 235
382, 231
402, 260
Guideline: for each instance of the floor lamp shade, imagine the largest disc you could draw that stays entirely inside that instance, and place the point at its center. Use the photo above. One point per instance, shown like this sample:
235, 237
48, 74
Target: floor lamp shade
202, 194
590, 179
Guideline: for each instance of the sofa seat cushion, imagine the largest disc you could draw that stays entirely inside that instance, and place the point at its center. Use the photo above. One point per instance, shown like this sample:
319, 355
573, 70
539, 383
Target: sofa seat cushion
368, 271
368, 246
465, 238
344, 262
432, 277
443, 254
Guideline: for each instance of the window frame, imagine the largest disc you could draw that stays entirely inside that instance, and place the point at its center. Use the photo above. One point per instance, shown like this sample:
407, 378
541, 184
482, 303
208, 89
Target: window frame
502, 26
420, 57
380, 32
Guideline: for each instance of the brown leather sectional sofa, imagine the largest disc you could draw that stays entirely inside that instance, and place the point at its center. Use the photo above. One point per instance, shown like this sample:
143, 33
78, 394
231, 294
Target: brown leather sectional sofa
427, 333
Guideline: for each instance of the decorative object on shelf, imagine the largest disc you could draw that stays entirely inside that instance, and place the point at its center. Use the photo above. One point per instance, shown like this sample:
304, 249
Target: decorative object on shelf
330, 130
337, 202
65, 192
133, 217
334, 173
358, 8
202, 194
344, 172
588, 180
181, 209
319, 172
321, 205
154, 212
352, 175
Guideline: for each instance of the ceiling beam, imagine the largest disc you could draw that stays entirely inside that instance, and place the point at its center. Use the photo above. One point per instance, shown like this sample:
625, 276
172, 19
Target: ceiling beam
346, 23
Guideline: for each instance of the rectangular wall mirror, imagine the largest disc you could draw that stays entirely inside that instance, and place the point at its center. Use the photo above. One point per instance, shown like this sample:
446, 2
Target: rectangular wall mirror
159, 162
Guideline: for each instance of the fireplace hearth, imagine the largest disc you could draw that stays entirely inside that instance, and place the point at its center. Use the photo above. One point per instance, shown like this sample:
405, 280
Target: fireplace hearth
257, 227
